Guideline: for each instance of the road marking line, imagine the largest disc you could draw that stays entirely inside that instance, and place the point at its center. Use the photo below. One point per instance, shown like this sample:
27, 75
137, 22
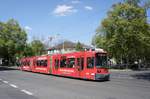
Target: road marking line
27, 92
5, 82
12, 85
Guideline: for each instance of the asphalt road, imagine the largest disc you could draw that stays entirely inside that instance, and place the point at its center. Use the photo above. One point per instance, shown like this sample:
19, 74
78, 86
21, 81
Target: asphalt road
15, 84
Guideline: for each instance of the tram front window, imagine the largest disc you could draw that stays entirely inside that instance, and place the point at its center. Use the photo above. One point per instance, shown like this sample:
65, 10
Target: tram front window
101, 60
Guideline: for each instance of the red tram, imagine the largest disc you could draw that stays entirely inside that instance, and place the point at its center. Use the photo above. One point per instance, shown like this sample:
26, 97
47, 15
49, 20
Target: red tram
85, 64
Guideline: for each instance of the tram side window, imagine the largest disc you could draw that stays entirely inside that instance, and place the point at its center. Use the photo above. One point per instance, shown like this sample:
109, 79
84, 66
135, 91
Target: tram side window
45, 63
90, 62
42, 63
38, 63
34, 62
25, 63
80, 63
71, 63
28, 63
63, 63
56, 63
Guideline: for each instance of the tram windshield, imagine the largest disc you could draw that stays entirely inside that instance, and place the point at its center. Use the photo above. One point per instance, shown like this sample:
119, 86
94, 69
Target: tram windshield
100, 60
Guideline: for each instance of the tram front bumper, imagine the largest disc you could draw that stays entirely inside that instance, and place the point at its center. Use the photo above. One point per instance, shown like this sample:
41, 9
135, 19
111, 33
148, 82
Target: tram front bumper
102, 76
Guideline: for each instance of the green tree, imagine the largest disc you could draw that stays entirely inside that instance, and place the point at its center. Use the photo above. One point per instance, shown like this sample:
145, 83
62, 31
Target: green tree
99, 41
12, 40
125, 32
79, 46
28, 50
37, 47
133, 2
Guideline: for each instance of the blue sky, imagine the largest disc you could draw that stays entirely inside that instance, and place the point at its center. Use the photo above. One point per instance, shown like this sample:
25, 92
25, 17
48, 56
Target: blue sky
74, 20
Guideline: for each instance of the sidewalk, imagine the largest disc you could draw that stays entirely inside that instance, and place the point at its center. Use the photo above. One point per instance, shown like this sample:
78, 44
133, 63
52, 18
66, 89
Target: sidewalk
123, 70
130, 74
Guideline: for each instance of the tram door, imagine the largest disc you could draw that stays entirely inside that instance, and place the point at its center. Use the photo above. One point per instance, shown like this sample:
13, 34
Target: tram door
80, 65
56, 64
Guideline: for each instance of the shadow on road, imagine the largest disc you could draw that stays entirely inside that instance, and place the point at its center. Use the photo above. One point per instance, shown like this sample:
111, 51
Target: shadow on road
143, 76
4, 68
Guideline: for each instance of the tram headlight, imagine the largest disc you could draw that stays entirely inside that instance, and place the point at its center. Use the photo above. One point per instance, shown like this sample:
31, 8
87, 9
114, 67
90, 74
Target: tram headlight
92, 74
